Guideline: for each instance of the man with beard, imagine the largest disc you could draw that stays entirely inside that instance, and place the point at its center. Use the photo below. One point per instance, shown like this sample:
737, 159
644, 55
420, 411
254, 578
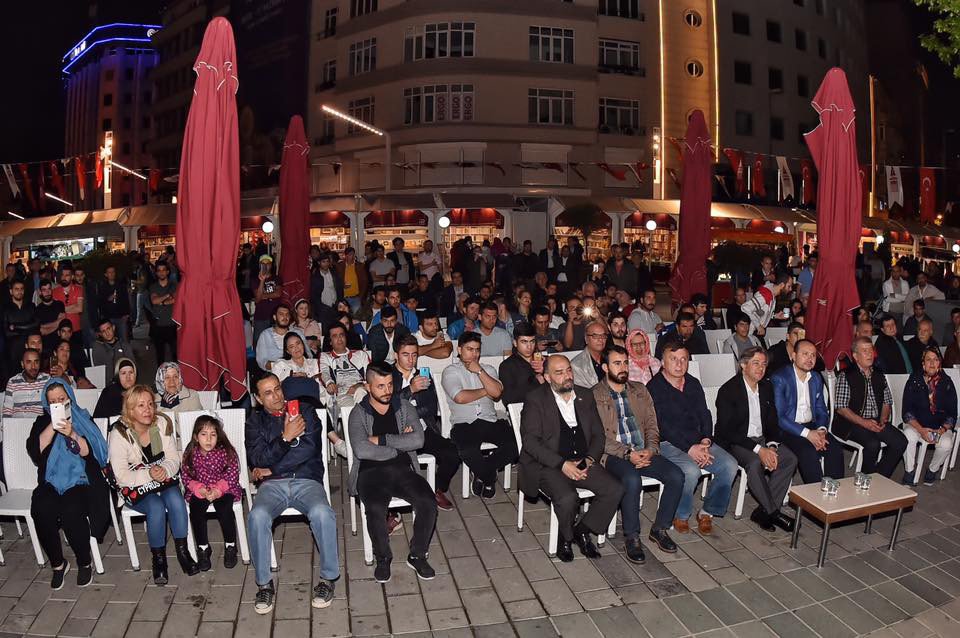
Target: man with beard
109, 347
431, 340
22, 397
644, 316
88, 312
563, 443
409, 317
163, 294
19, 320
618, 330
385, 433
383, 338
270, 343
71, 295
50, 313
632, 451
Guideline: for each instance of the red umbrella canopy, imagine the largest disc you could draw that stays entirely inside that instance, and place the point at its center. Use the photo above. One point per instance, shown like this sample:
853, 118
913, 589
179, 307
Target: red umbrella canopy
295, 213
833, 145
210, 336
690, 273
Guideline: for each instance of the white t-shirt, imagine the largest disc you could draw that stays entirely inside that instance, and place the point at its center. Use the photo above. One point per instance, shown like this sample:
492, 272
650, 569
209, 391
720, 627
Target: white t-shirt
423, 341
381, 268
429, 264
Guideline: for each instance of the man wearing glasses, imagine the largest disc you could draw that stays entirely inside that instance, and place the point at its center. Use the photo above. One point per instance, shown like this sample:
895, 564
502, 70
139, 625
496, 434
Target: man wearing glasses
588, 365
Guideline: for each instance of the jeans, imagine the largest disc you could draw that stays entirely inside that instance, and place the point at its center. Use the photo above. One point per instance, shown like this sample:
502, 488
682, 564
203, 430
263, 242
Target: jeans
631, 478
307, 497
198, 518
51, 511
724, 470
377, 486
160, 506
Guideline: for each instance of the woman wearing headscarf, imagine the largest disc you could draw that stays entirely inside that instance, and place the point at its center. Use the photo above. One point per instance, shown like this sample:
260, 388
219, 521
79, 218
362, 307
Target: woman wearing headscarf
71, 492
110, 403
173, 395
643, 365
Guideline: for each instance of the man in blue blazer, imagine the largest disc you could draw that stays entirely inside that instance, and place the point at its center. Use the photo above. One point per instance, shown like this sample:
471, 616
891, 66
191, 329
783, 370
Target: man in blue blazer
803, 418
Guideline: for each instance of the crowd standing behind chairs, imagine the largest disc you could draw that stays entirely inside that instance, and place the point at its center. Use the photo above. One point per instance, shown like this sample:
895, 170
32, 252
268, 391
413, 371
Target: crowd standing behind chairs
602, 390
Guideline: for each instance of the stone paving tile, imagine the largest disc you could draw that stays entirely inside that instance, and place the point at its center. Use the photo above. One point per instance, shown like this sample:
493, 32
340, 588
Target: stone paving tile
580, 625
617, 622
581, 575
448, 618
657, 619
524, 610
80, 627
184, 620
723, 605
511, 585
752, 629
925, 589
407, 614
695, 616
114, 620
539, 628
902, 597
483, 607
823, 622
691, 575
598, 599
556, 597
853, 615
51, 617
786, 625
887, 612
755, 599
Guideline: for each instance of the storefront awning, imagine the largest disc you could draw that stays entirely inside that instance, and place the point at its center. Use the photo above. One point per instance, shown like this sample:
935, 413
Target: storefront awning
166, 214
31, 236
404, 202
344, 203
606, 204
477, 200
11, 229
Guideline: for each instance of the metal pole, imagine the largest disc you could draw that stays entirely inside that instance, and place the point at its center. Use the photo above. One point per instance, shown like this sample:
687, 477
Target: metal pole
873, 147
796, 528
896, 530
823, 544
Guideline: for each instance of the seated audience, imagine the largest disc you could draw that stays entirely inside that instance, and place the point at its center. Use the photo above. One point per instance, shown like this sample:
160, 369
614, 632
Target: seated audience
62, 367
385, 433
432, 342
780, 354
110, 403
747, 429
270, 342
701, 307
471, 388
588, 365
951, 328
548, 337
683, 333
632, 451
920, 343
686, 439
383, 337
311, 330
342, 372
929, 416
643, 365
952, 356
174, 395
618, 329
644, 317
296, 361
468, 322
78, 353
563, 442
892, 354
740, 340
409, 317
863, 408
733, 308
109, 347
356, 335
522, 371
573, 330
494, 340
912, 322
23, 396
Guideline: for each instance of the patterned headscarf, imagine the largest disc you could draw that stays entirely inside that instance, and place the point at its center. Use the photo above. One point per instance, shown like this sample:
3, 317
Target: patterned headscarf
643, 365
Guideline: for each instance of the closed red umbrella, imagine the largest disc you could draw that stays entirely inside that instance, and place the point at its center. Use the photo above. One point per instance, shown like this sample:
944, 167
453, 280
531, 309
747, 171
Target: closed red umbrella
833, 145
690, 272
210, 338
295, 213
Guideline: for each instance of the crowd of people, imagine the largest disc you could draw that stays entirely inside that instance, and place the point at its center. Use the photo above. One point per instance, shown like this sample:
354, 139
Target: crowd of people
423, 366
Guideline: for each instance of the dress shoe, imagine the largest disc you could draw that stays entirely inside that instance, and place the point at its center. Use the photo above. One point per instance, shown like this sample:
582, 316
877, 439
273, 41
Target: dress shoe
681, 526
783, 521
634, 551
581, 536
663, 541
443, 503
762, 520
705, 524
565, 551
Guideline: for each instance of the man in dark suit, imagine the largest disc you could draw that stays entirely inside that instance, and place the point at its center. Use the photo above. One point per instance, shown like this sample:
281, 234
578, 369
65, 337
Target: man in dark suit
383, 340
892, 354
563, 441
403, 262
448, 297
780, 354
550, 259
747, 429
802, 416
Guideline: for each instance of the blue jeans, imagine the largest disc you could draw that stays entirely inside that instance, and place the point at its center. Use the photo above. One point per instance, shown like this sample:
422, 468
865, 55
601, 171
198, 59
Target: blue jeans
160, 506
632, 480
723, 468
307, 497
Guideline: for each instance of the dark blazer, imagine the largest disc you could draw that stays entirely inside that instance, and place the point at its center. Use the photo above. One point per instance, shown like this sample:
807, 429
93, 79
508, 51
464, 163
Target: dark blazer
915, 350
889, 356
316, 287
448, 304
540, 433
551, 272
377, 341
426, 400
518, 379
785, 396
407, 257
733, 414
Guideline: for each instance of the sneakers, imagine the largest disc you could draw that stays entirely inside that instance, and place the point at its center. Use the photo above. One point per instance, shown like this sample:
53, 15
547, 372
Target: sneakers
381, 573
394, 523
56, 581
489, 490
443, 503
477, 487
203, 558
908, 479
230, 556
84, 575
340, 447
322, 594
263, 603
420, 565
930, 477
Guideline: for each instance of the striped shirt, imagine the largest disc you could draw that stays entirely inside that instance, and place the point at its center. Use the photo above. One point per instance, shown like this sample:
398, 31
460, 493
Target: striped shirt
22, 398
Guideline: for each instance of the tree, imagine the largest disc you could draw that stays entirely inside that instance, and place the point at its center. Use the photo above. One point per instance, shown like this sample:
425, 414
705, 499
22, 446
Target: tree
944, 42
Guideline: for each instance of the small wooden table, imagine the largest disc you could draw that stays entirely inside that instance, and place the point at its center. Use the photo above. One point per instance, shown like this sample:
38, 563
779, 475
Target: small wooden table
883, 496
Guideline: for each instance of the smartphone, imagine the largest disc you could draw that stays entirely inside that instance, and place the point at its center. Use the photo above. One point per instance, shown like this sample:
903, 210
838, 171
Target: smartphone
293, 408
269, 287
582, 465
425, 372
538, 356
58, 413
786, 313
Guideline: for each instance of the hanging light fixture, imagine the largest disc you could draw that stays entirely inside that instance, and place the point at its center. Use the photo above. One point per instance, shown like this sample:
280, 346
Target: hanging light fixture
651, 225
267, 227
443, 222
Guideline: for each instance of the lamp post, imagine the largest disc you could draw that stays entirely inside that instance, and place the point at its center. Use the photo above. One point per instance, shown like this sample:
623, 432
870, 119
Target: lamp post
371, 129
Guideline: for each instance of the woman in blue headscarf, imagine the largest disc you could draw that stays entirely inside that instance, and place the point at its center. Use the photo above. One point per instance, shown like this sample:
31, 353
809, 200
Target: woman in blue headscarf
71, 492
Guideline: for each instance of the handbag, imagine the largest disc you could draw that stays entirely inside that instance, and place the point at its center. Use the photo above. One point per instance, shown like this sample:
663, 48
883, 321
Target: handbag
133, 495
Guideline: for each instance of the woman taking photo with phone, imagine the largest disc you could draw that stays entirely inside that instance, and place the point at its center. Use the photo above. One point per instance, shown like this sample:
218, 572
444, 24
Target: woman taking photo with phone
68, 451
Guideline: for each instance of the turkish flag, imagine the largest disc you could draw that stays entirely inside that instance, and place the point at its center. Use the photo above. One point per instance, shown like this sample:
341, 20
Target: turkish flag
99, 171
809, 187
759, 188
154, 180
56, 178
739, 170
928, 195
80, 169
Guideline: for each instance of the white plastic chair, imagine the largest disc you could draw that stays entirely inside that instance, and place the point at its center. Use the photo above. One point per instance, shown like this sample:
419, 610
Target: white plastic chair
209, 400
437, 366
775, 336
103, 424
710, 394
693, 369
954, 375
234, 424
97, 375
856, 460
516, 411
716, 369
87, 399
493, 361
716, 337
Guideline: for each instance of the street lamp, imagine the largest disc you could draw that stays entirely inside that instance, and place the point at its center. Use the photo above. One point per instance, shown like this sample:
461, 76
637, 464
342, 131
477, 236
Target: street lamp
651, 225
443, 222
370, 129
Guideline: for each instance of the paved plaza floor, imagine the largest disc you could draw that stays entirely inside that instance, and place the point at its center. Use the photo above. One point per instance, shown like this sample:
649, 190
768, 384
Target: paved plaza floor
493, 580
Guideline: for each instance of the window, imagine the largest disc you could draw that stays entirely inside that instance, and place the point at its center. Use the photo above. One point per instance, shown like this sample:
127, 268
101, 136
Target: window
803, 86
108, 99
775, 79
147, 96
620, 116
744, 123
620, 55
441, 40
620, 9
551, 44
107, 124
330, 23
693, 19
549, 106
329, 129
363, 56
822, 48
361, 109
438, 103
145, 122
776, 128
801, 39
694, 68
741, 23
742, 72
362, 7
328, 74
773, 31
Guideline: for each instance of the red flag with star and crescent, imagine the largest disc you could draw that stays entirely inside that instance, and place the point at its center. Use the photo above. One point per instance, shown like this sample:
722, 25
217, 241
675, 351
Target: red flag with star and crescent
928, 195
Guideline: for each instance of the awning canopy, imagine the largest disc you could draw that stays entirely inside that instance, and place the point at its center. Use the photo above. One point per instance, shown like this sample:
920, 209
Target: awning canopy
606, 204
166, 214
404, 202
477, 200
32, 236
344, 203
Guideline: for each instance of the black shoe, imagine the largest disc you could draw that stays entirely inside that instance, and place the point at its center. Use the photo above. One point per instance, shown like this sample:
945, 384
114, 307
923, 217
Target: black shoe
783, 521
203, 559
263, 603
565, 551
230, 556
634, 551
581, 536
159, 565
56, 581
381, 573
322, 594
663, 541
762, 520
477, 487
420, 565
489, 490
84, 575
187, 564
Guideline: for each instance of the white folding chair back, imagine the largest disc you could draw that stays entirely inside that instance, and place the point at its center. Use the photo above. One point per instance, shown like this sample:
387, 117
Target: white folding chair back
87, 399
493, 361
693, 369
775, 336
907, 337
209, 399
720, 343
572, 354
21, 478
716, 337
716, 369
897, 383
437, 366
710, 393
857, 459
97, 375
652, 338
